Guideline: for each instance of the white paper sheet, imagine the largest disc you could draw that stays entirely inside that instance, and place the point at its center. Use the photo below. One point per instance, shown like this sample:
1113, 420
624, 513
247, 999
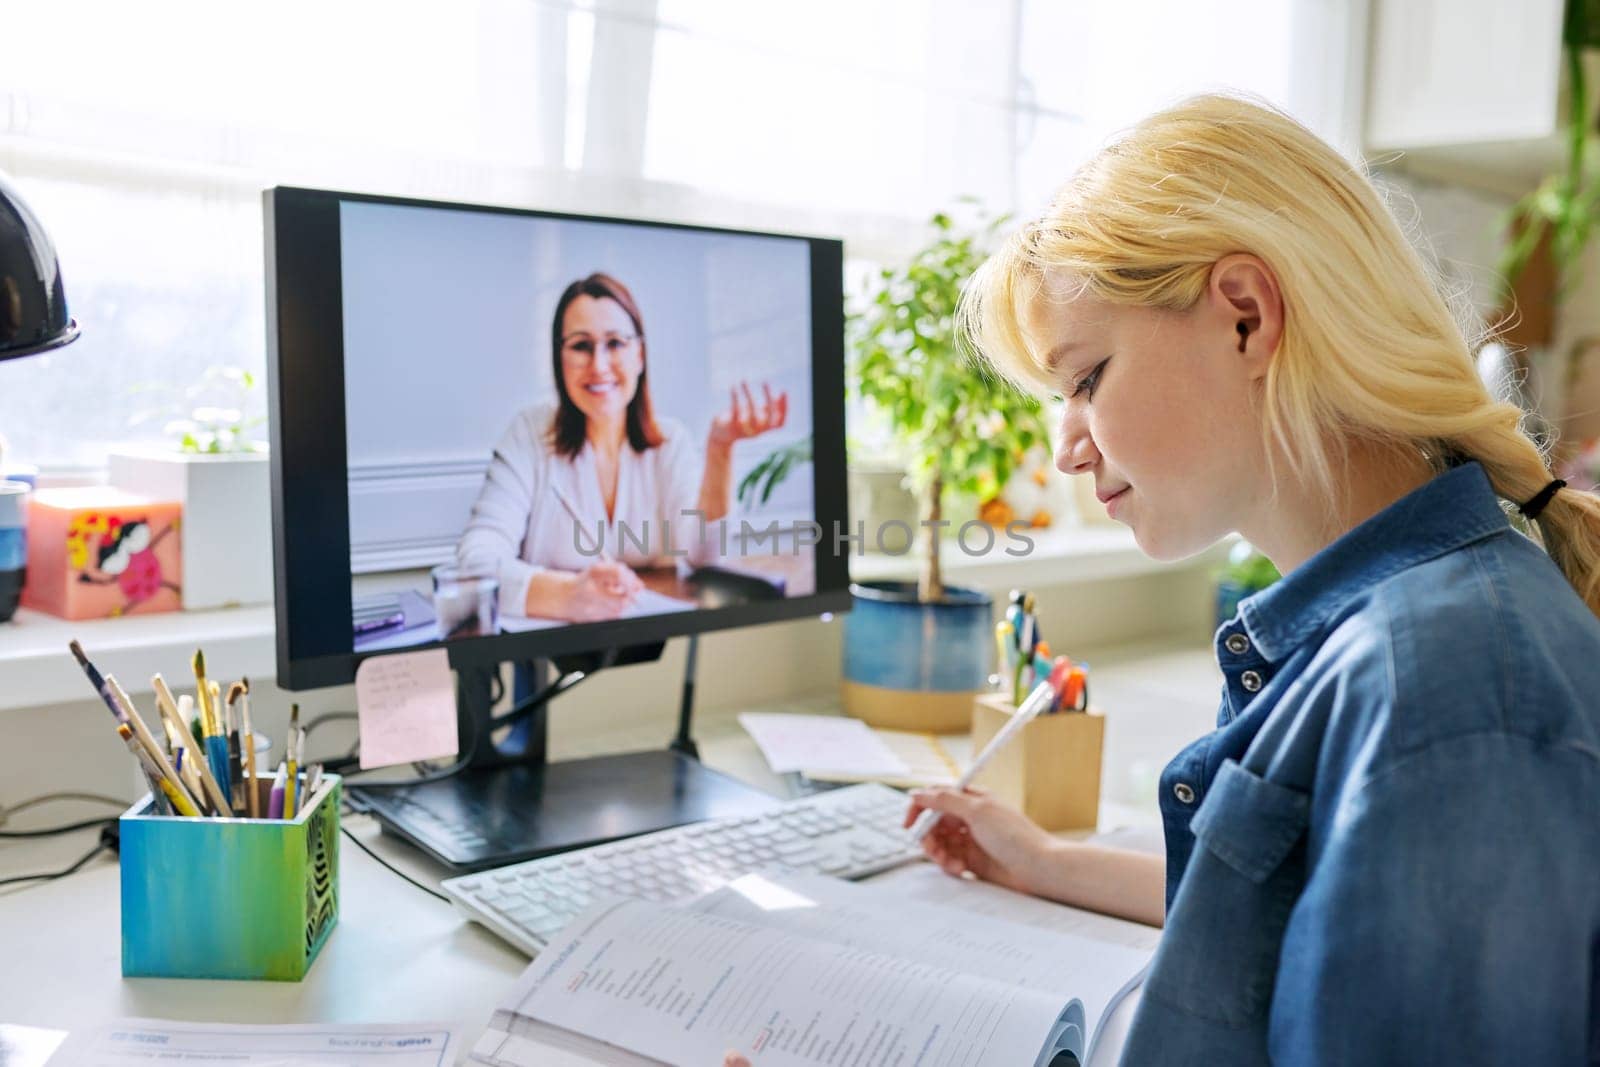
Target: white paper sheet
821, 742
27, 1046
645, 602
130, 1042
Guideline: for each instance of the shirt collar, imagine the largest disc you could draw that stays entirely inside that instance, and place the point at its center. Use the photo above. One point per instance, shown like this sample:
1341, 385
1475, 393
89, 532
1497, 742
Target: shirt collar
1456, 508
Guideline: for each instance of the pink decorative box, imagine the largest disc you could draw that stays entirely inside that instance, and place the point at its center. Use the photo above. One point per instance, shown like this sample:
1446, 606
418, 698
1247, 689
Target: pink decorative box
97, 552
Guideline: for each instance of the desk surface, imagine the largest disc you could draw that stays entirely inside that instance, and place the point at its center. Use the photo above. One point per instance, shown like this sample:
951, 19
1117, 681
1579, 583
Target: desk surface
397, 953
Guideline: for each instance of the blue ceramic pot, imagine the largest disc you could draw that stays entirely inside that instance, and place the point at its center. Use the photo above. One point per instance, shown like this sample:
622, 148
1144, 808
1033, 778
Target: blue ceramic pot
915, 666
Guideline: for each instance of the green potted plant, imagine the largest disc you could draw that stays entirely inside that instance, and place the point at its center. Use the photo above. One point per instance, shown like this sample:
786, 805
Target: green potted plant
1554, 224
1564, 207
220, 474
916, 652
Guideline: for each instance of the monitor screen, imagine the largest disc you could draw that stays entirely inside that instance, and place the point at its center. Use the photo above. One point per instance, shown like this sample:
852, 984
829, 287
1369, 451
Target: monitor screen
549, 433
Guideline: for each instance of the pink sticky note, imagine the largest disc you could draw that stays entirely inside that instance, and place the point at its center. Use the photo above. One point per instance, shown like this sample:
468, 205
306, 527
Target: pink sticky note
406, 705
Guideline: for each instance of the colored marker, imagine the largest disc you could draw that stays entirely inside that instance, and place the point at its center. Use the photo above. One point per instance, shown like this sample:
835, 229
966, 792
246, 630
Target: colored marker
1060, 671
292, 752
275, 798
1004, 646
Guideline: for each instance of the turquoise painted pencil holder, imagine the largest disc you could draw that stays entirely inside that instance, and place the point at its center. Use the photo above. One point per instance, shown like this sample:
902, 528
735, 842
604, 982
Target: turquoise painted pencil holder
230, 898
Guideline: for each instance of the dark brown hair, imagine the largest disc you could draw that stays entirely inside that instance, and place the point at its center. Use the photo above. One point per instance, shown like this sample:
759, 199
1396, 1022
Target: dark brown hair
568, 433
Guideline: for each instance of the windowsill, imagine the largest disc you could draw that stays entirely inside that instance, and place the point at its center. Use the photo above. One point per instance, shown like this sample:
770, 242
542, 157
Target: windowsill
38, 669
1062, 555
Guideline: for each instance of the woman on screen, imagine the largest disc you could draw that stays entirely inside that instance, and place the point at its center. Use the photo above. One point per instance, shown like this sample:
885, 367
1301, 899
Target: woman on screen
575, 487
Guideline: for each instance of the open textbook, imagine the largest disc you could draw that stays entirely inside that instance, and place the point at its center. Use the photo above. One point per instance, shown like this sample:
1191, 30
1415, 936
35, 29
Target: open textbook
808, 970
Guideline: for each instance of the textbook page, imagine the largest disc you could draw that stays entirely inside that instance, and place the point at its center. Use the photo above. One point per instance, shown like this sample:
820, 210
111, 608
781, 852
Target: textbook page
683, 987
880, 918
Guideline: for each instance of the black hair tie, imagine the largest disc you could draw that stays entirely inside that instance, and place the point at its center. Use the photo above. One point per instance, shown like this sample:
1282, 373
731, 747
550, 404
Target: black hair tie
1532, 508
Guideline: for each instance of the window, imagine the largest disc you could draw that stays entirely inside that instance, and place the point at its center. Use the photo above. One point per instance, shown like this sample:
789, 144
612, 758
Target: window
145, 144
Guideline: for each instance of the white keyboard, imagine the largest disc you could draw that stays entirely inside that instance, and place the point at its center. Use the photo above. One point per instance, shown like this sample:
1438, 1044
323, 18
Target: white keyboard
850, 832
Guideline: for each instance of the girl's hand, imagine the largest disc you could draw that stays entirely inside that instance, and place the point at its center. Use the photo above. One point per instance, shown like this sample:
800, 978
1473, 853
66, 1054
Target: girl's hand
745, 418
734, 1059
977, 833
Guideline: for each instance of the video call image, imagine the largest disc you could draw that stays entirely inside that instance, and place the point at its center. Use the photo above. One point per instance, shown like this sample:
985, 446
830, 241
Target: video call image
555, 421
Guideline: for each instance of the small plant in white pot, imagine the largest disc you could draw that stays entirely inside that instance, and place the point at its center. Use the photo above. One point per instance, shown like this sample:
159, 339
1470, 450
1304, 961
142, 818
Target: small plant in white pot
221, 476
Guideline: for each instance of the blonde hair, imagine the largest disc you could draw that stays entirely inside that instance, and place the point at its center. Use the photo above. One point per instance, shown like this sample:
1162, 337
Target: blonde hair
1370, 348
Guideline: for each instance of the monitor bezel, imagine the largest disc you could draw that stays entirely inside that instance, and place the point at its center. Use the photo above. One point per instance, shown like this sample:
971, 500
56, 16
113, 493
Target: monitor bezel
310, 491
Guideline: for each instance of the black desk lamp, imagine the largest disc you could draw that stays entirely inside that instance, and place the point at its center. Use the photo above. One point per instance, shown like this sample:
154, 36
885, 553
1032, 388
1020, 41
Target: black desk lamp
33, 318
33, 306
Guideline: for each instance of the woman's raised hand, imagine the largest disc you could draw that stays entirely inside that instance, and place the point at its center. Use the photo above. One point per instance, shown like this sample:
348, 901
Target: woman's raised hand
977, 833
746, 418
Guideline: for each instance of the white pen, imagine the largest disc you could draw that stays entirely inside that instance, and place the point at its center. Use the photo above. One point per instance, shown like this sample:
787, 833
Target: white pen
1042, 697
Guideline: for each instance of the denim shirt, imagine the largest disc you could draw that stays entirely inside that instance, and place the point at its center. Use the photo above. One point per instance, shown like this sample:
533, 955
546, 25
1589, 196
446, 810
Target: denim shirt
1388, 852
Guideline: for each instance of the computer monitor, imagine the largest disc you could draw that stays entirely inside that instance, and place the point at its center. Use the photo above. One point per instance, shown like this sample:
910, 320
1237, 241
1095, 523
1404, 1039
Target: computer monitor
524, 436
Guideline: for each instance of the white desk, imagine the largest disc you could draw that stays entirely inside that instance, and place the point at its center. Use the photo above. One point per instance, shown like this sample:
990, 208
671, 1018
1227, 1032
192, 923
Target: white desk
397, 954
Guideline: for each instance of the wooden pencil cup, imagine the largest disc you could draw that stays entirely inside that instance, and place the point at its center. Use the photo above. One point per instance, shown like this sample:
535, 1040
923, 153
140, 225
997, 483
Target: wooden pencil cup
230, 898
1052, 771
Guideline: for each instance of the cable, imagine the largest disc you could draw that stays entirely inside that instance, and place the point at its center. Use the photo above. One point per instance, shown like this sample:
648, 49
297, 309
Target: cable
526, 705
8, 810
329, 716
53, 830
437, 776
362, 845
87, 856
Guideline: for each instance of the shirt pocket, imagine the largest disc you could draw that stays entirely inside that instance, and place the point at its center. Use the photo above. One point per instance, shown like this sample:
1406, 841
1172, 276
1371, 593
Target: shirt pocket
1219, 954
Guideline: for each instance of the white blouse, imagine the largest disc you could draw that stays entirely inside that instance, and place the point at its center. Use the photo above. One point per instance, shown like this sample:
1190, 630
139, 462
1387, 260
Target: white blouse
520, 525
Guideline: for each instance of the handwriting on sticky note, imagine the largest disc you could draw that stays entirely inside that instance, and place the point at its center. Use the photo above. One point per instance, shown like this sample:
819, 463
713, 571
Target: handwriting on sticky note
406, 706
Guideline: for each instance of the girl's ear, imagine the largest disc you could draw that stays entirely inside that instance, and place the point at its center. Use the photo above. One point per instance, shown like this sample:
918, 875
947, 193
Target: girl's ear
1245, 293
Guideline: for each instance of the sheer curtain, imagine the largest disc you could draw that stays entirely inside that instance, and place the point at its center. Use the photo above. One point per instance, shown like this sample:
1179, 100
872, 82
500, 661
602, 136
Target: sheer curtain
143, 135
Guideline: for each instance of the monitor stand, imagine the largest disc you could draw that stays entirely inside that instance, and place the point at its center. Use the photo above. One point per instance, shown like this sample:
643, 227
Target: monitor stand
509, 803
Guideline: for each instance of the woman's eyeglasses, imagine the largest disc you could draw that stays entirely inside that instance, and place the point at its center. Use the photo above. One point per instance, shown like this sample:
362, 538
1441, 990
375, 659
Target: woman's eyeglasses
577, 351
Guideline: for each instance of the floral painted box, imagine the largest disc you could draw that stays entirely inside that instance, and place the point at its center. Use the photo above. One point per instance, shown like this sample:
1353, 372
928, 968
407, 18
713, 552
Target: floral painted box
95, 552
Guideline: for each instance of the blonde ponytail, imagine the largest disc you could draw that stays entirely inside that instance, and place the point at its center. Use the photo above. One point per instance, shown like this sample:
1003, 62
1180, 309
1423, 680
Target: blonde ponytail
1569, 523
1372, 349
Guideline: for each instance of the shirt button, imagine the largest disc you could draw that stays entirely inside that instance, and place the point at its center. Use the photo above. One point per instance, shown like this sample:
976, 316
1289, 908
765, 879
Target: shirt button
1238, 644
1251, 681
1184, 792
